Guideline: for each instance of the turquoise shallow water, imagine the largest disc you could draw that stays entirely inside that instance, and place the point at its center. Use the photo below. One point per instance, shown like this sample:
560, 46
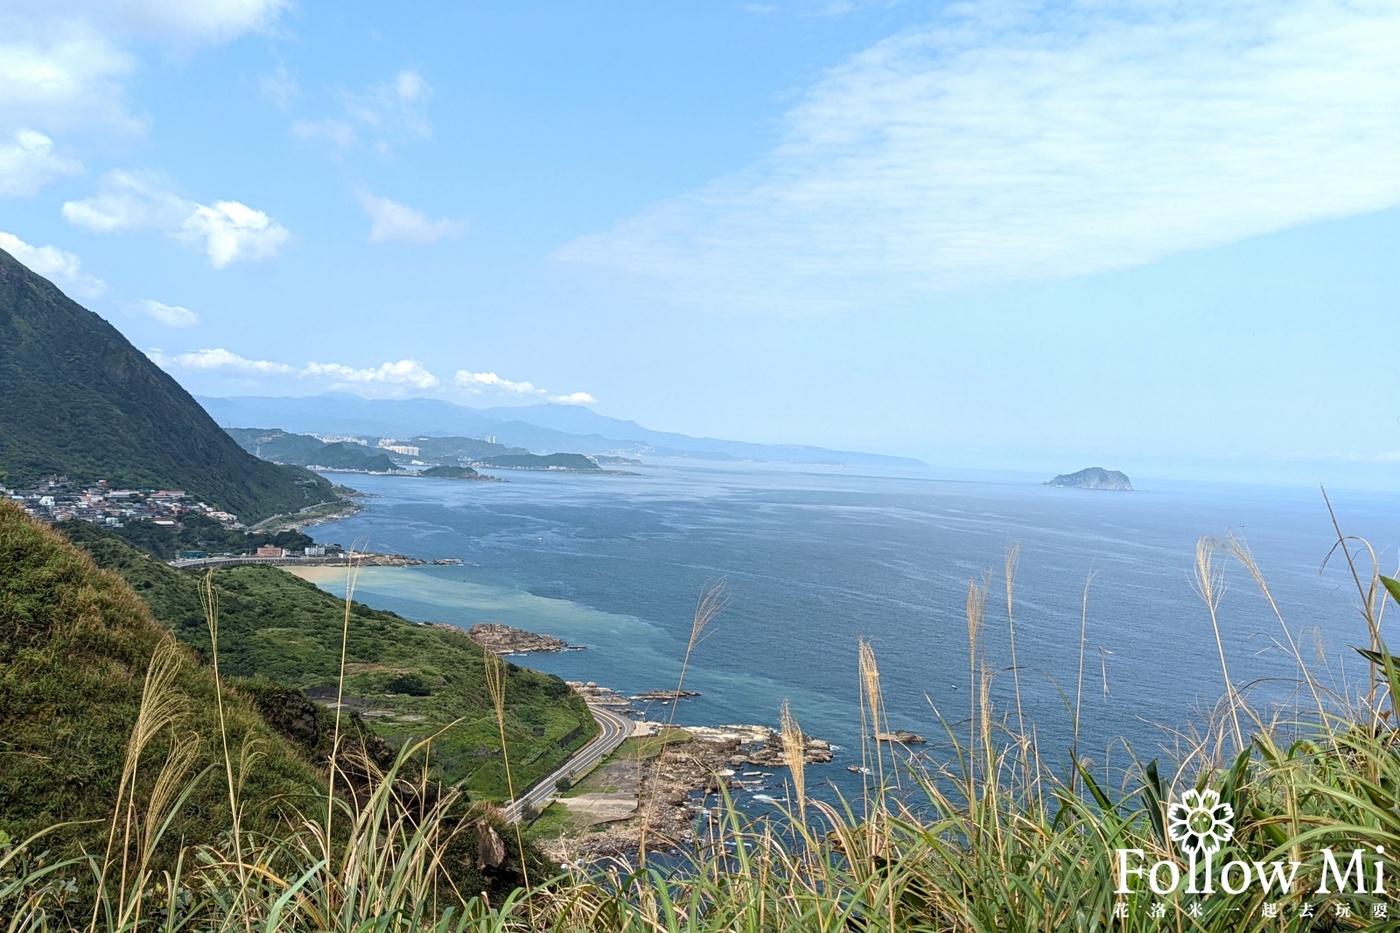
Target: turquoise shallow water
816, 557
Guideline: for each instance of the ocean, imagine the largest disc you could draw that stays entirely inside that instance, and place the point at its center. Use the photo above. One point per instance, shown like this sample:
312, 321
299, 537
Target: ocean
815, 558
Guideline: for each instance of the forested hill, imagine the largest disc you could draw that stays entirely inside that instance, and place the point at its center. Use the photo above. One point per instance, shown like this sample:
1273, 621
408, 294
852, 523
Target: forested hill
77, 398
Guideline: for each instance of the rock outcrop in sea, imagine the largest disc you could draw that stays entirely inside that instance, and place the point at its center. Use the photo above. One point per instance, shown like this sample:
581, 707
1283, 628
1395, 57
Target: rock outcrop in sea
1093, 478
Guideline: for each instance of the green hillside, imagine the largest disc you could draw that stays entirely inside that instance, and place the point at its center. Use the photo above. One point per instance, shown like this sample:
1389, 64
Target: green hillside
452, 472
574, 462
304, 450
408, 679
75, 646
80, 400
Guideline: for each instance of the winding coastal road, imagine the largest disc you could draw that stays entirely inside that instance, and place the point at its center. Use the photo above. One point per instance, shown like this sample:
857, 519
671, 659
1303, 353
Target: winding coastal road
614, 729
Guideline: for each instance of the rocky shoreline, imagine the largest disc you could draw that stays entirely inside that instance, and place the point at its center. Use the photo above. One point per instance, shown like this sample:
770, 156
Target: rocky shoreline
506, 639
610, 699
681, 785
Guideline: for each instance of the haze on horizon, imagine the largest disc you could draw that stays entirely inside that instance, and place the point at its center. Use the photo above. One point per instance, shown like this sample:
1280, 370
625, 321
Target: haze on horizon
1155, 237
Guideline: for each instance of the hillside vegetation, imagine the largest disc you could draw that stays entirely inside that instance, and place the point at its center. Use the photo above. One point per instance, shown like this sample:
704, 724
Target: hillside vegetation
304, 450
576, 462
80, 400
989, 837
409, 680
76, 646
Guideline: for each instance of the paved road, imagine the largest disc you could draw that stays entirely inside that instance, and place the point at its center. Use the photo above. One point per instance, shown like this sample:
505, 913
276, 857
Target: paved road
614, 729
202, 563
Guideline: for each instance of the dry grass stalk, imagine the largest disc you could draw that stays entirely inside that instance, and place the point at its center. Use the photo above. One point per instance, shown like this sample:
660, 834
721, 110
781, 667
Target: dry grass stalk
496, 687
352, 574
162, 710
795, 751
976, 617
1013, 557
1210, 586
712, 602
872, 704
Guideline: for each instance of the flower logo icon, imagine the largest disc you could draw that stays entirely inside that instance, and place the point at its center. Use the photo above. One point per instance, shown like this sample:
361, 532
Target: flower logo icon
1199, 822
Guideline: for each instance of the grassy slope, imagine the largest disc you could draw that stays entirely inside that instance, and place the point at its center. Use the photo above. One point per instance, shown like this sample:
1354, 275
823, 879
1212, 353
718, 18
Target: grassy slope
278, 626
81, 400
75, 644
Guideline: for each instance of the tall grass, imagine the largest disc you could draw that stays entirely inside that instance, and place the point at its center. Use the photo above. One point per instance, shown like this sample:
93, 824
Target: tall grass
992, 838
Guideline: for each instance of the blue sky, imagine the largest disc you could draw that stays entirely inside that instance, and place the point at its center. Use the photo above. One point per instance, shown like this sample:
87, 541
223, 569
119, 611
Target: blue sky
1159, 236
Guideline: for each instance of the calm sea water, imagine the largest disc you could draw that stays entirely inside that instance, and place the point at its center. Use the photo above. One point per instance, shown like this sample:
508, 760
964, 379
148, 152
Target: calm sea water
815, 558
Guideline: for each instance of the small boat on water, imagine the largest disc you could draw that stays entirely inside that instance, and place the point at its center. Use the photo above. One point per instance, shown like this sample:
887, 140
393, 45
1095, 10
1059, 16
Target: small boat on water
857, 769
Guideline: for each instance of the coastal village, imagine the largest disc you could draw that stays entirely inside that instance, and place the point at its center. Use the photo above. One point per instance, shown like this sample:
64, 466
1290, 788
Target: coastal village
56, 499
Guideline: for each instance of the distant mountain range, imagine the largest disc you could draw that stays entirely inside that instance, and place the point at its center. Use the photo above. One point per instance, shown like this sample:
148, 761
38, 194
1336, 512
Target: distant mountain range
77, 399
541, 429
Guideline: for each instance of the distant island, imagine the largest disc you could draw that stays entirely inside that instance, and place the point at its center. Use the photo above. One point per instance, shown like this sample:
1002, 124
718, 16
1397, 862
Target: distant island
456, 472
1092, 478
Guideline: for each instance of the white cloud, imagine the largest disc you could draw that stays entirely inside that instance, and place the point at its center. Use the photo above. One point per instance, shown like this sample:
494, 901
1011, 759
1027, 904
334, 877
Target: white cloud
183, 23
481, 383
232, 231
129, 201
65, 65
477, 381
574, 398
393, 379
219, 359
227, 231
391, 221
1032, 141
173, 315
398, 378
28, 164
60, 266
408, 373
62, 76
386, 114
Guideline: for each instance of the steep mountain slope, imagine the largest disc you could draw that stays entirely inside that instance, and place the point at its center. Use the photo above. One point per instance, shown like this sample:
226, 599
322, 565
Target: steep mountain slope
76, 398
75, 646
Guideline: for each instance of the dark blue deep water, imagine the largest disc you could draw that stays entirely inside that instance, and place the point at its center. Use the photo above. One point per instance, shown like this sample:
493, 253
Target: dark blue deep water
816, 557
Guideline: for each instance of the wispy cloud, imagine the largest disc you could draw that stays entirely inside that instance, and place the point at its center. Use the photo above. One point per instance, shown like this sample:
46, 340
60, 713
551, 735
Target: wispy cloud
183, 23
61, 75
393, 379
171, 315
392, 221
227, 231
382, 116
60, 266
279, 87
28, 164
1022, 140
66, 66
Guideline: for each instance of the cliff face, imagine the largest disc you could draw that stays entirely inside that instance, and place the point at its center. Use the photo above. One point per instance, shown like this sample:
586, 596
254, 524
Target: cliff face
1092, 478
